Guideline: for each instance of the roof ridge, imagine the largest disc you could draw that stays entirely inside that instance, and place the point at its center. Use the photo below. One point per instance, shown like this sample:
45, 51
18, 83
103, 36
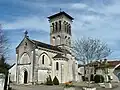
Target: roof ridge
59, 13
45, 45
59, 55
42, 42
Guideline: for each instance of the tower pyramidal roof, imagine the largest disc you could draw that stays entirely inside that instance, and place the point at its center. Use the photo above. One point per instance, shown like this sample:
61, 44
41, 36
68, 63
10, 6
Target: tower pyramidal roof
61, 13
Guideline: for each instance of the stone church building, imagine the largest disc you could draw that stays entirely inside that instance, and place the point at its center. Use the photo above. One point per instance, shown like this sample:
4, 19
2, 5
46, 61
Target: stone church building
37, 60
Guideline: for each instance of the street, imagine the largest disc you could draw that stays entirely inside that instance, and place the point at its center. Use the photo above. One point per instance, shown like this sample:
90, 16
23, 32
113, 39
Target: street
45, 87
35, 87
38, 87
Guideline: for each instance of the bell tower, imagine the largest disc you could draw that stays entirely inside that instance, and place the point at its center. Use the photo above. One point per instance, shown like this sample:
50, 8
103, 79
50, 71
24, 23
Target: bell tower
60, 29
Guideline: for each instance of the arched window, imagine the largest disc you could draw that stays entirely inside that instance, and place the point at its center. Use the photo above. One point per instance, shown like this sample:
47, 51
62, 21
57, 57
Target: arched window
65, 26
53, 27
65, 37
59, 25
43, 58
58, 40
24, 59
53, 41
70, 29
56, 26
57, 66
69, 41
65, 40
67, 29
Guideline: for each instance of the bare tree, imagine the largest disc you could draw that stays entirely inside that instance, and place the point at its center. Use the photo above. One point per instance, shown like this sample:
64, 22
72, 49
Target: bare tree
87, 49
3, 44
4, 49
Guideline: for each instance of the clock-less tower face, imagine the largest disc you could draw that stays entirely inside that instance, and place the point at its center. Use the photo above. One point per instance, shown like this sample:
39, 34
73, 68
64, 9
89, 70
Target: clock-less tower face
60, 29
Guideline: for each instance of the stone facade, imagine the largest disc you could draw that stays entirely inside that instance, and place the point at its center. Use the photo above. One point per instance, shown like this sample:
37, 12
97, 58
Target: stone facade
37, 60
98, 67
12, 73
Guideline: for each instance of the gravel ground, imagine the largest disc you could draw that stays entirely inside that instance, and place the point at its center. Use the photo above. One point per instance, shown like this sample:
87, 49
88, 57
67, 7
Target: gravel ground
116, 86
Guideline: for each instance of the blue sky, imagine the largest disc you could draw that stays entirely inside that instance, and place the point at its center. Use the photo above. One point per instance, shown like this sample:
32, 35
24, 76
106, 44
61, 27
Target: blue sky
92, 18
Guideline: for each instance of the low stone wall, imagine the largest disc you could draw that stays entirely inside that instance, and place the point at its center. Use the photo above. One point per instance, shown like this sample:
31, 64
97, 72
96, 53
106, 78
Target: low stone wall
2, 81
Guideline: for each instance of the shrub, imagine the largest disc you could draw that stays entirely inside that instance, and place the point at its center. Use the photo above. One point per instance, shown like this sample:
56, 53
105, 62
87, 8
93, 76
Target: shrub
99, 79
86, 78
68, 84
49, 81
55, 81
9, 88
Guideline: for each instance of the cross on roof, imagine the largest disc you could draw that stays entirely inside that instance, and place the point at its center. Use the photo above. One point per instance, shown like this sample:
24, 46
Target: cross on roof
60, 9
26, 32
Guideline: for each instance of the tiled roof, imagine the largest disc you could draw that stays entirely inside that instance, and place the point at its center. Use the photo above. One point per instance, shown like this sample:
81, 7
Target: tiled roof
61, 13
101, 64
48, 46
11, 66
59, 56
80, 65
44, 45
65, 50
113, 63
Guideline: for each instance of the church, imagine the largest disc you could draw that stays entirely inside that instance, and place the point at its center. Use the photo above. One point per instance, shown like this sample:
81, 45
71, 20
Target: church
37, 60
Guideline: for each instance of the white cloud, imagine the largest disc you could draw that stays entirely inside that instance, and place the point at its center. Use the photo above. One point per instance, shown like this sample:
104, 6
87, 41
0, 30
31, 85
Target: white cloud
104, 27
107, 9
78, 6
34, 23
98, 22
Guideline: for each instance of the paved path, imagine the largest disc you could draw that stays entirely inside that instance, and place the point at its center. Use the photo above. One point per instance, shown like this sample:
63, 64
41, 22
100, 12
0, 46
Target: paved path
117, 88
36, 87
45, 87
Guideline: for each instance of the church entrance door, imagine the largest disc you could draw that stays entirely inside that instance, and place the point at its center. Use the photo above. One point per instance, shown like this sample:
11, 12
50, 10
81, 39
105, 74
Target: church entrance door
25, 76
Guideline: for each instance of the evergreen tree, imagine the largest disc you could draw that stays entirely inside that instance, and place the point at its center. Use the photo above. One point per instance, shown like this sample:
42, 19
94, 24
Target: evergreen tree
49, 81
4, 69
55, 81
3, 65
